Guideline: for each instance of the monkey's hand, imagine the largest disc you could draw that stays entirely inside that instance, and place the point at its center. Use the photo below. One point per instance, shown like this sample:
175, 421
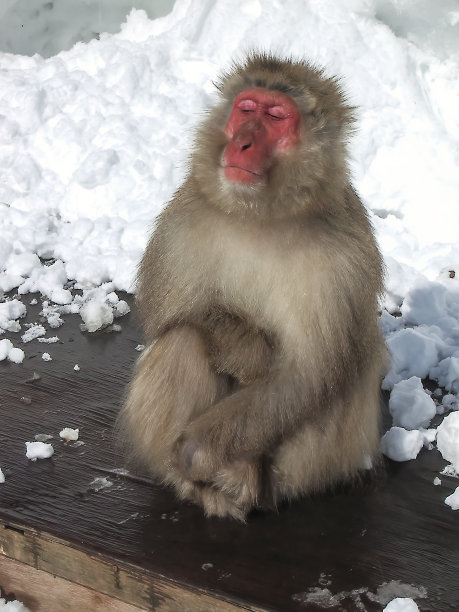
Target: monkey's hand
205, 447
237, 480
244, 426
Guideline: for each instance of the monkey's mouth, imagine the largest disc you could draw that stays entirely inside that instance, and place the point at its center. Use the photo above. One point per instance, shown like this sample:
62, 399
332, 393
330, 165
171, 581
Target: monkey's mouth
242, 175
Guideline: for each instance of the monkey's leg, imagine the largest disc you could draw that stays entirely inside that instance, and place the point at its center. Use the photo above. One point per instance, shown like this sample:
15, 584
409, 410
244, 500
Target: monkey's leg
173, 383
346, 443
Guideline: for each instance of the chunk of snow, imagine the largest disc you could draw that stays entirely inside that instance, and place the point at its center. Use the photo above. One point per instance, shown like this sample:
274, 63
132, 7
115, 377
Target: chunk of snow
76, 367
413, 353
69, 434
38, 450
12, 606
401, 445
401, 604
453, 500
46, 357
121, 308
50, 340
9, 311
436, 481
96, 314
2, 476
8, 351
410, 405
448, 439
34, 331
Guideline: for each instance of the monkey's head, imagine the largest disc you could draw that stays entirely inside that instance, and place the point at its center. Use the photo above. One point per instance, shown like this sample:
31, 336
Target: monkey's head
275, 145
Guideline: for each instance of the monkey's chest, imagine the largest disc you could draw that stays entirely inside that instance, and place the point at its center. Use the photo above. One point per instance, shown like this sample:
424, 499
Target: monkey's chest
253, 276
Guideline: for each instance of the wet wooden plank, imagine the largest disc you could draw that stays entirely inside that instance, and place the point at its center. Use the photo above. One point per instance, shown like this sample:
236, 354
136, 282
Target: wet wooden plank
395, 527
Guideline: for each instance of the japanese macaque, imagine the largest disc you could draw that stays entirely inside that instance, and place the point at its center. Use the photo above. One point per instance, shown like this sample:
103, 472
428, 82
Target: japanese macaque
258, 297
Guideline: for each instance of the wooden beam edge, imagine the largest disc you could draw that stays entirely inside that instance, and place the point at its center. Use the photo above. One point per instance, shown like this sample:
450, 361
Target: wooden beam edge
116, 578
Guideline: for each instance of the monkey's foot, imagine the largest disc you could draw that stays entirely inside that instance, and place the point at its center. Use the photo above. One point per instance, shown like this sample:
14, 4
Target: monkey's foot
213, 501
240, 481
233, 492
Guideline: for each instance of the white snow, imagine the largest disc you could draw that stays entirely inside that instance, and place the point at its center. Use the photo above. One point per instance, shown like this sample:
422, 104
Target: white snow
12, 606
33, 332
69, 434
448, 439
2, 476
410, 405
38, 450
94, 140
96, 314
453, 500
8, 351
401, 445
401, 604
46, 357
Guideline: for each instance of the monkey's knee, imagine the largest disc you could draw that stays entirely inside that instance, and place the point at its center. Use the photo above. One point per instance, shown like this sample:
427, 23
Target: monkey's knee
173, 382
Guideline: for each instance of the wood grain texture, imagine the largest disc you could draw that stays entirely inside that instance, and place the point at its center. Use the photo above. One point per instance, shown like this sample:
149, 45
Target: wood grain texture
393, 527
42, 592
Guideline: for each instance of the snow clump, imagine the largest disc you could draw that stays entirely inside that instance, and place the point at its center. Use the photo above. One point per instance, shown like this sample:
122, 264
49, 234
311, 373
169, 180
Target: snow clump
38, 450
8, 351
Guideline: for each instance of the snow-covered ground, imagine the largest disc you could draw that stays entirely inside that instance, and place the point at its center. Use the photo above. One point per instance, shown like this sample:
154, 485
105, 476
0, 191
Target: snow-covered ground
94, 140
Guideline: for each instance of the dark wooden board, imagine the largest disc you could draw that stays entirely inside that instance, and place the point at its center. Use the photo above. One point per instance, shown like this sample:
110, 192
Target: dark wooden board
393, 527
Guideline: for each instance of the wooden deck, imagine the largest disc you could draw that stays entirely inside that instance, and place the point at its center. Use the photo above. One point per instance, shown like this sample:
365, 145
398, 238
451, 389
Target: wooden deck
132, 545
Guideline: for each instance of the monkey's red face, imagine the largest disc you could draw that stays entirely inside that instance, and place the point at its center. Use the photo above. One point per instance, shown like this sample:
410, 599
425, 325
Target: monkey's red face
262, 124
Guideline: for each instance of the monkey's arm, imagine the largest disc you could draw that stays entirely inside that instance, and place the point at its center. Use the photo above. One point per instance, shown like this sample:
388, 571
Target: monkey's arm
247, 424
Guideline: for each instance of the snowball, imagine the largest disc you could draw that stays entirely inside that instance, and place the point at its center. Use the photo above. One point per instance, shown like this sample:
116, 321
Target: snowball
96, 314
38, 450
401, 445
46, 357
69, 434
409, 404
401, 604
436, 481
76, 367
16, 355
2, 476
8, 351
453, 500
448, 439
